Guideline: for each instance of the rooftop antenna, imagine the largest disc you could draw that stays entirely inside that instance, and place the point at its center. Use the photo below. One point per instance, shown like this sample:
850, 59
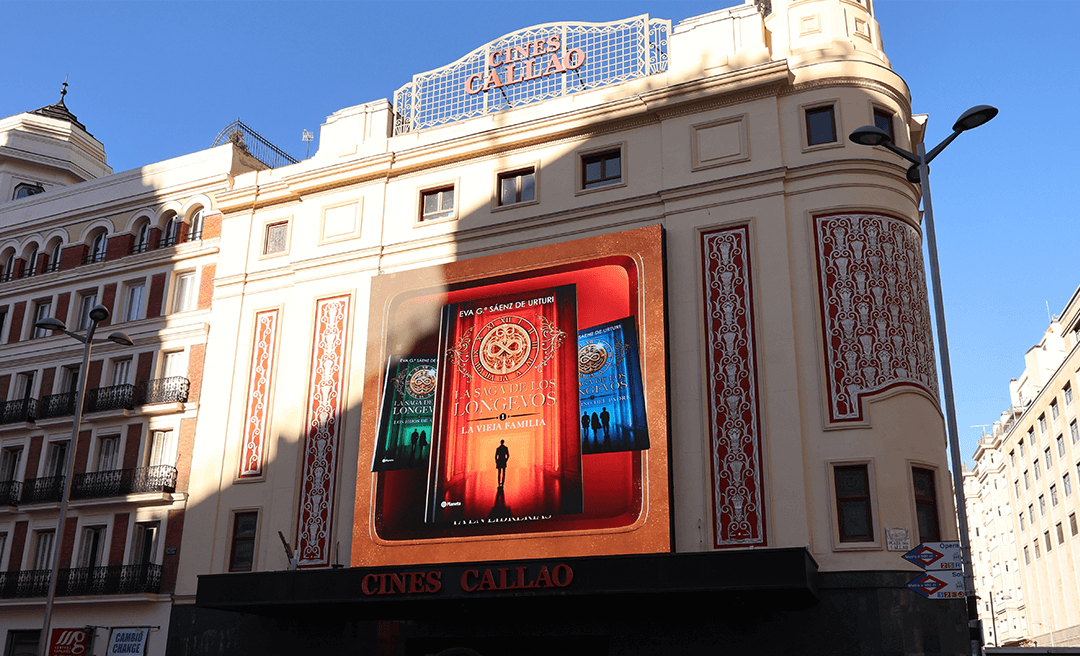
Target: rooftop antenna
1049, 318
308, 137
983, 427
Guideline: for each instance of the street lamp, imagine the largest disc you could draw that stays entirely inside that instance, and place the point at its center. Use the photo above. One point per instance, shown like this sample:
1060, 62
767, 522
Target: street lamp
98, 314
920, 171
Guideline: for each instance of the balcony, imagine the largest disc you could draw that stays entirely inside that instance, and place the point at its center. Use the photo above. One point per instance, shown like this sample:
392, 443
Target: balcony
120, 482
56, 405
10, 492
47, 489
116, 397
109, 580
19, 410
164, 390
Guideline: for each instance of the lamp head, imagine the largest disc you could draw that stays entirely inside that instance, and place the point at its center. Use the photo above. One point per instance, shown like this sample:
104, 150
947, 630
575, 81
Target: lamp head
974, 117
49, 323
121, 339
99, 313
913, 173
869, 135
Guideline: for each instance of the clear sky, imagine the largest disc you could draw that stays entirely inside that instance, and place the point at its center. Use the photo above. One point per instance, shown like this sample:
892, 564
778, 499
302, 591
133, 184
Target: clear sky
155, 80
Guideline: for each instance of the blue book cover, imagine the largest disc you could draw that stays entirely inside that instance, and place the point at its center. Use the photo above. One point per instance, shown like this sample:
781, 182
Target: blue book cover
612, 396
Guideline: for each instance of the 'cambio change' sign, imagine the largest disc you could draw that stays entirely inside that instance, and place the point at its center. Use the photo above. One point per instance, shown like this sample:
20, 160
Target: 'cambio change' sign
524, 63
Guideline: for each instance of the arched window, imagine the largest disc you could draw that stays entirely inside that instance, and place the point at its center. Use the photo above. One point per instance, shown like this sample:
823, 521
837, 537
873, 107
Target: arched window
54, 257
168, 237
142, 238
196, 225
9, 267
97, 250
31, 263
24, 190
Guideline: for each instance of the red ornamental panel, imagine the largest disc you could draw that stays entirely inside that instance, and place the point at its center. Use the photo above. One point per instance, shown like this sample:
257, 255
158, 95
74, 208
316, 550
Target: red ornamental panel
734, 416
875, 312
262, 372
323, 427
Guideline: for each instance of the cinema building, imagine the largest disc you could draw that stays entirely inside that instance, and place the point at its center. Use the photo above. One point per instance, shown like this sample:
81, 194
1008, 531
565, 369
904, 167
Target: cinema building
601, 338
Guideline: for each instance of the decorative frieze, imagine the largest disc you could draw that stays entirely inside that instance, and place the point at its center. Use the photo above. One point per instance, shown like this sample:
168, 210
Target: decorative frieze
256, 416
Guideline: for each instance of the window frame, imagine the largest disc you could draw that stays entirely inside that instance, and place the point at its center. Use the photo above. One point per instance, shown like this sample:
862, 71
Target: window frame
235, 539
190, 300
841, 542
99, 247
921, 501
601, 156
516, 174
264, 252
441, 215
88, 300
32, 188
888, 117
42, 310
129, 291
832, 106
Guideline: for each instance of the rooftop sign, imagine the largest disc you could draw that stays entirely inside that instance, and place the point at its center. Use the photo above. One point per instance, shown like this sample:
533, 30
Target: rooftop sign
532, 65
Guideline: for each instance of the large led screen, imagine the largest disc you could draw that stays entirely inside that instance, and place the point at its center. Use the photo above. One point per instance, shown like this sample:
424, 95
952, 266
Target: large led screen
515, 407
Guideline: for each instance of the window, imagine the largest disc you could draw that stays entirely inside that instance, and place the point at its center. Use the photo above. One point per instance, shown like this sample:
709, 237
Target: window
54, 257
24, 190
9, 465
1012, 458
109, 453
31, 263
1060, 533
883, 119
56, 464
162, 449
1061, 445
1049, 544
1042, 505
133, 301
601, 169
1037, 554
1066, 483
1067, 393
9, 268
276, 239
183, 297
1038, 470
99, 247
1074, 433
144, 547
517, 187
24, 385
1027, 480
436, 204
853, 503
69, 378
1053, 495
195, 232
1027, 556
121, 371
925, 504
43, 550
242, 554
1047, 459
1072, 524
93, 546
173, 363
1031, 431
170, 235
1042, 424
1016, 488
86, 303
42, 310
820, 125
1021, 520
142, 239
1054, 412
1031, 513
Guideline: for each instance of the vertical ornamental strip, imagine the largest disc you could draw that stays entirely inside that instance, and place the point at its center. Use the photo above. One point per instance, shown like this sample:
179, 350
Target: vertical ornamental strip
733, 413
322, 428
260, 378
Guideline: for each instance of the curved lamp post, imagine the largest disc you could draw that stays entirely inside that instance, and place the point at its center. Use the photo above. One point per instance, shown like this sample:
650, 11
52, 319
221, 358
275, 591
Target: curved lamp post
920, 171
98, 314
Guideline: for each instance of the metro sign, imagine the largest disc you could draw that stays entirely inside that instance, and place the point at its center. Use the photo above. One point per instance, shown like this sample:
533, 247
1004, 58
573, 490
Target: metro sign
945, 585
936, 556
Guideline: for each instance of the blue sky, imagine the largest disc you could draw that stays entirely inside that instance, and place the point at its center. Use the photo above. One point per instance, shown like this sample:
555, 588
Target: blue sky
154, 80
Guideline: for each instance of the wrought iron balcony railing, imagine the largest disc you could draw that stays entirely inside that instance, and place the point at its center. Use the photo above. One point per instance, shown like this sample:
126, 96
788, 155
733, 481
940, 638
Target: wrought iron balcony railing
118, 482
18, 410
56, 405
9, 493
42, 490
108, 580
116, 397
164, 390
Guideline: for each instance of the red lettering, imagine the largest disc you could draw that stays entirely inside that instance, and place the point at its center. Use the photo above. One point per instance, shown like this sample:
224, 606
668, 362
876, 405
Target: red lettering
510, 70
554, 43
492, 56
519, 52
368, 579
554, 65
569, 61
543, 580
382, 584
397, 583
502, 579
434, 581
529, 74
492, 81
465, 580
472, 84
521, 577
488, 582
567, 575
416, 582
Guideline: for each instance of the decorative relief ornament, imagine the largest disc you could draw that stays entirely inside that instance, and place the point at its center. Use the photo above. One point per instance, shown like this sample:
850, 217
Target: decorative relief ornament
876, 316
591, 358
255, 415
734, 419
422, 383
505, 349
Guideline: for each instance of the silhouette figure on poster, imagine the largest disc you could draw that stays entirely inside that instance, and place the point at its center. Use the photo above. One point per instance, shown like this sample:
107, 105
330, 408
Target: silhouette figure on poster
585, 426
500, 510
502, 454
605, 419
596, 425
415, 439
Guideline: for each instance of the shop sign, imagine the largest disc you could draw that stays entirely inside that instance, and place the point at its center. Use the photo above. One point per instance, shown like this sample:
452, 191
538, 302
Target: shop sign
131, 641
524, 63
68, 642
488, 579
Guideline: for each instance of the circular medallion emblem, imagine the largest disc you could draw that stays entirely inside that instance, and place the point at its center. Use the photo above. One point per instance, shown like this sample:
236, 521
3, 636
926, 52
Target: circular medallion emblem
422, 382
505, 349
591, 358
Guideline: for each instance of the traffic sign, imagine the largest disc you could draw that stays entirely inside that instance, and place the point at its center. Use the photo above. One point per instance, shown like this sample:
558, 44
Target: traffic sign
939, 585
936, 556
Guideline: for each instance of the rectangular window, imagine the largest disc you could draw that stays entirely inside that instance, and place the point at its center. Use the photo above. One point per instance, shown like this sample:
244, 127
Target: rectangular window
56, 464
1038, 470
1060, 533
853, 507
517, 186
925, 504
109, 453
183, 298
42, 310
437, 204
1053, 495
1037, 554
1074, 432
1042, 424
43, 550
9, 464
133, 301
1012, 458
883, 120
1049, 544
242, 555
1031, 513
1042, 505
820, 125
276, 239
162, 449
1047, 459
1027, 480
173, 363
1054, 412
121, 371
1061, 445
69, 378
144, 547
1031, 432
1027, 556
1016, 488
601, 169
86, 303
1066, 483
1021, 520
1067, 392
93, 546
1072, 523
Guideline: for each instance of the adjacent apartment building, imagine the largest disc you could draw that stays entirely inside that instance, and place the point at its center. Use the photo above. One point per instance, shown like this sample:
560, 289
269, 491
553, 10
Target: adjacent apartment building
601, 338
1022, 503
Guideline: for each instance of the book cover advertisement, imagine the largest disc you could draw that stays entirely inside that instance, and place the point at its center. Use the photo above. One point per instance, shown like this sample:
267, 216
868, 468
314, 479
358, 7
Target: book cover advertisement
612, 401
404, 438
506, 445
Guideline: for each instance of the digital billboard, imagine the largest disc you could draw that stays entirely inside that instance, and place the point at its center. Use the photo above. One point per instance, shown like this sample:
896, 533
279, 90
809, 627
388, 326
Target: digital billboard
515, 406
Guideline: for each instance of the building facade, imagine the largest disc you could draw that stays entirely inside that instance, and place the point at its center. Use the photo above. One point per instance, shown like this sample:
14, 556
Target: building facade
1021, 497
602, 323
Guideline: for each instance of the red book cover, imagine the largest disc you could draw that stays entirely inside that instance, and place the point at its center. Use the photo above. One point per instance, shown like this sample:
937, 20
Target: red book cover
506, 443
